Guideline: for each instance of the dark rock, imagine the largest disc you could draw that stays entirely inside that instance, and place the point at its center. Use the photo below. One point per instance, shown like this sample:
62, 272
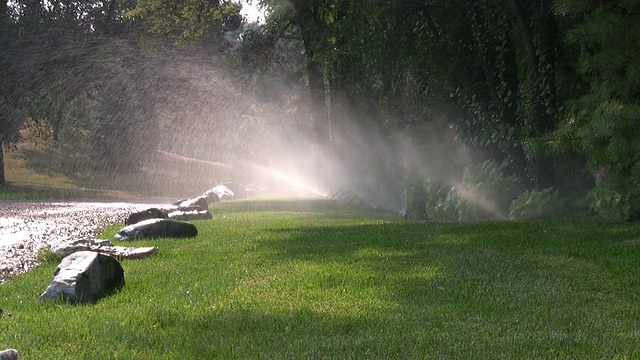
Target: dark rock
85, 277
147, 214
9, 354
634, 217
157, 228
211, 197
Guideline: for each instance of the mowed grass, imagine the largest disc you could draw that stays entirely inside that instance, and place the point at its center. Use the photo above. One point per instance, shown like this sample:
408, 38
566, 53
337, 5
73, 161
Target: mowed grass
290, 281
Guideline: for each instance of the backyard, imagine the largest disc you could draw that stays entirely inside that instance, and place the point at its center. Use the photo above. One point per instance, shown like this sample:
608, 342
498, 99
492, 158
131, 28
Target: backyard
313, 279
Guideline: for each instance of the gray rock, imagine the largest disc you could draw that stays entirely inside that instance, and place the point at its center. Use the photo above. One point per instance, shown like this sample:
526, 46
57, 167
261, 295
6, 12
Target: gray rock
191, 213
152, 213
211, 196
9, 354
200, 201
104, 247
85, 277
215, 194
157, 228
238, 190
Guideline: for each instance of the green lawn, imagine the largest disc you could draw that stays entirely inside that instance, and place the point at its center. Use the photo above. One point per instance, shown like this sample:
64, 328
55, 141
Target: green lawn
278, 280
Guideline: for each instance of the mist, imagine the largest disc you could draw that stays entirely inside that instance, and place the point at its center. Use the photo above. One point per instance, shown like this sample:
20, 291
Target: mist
209, 126
176, 121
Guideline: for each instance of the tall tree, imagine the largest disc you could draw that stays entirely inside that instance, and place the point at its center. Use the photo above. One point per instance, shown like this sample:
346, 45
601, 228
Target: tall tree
57, 65
202, 21
4, 36
308, 19
602, 122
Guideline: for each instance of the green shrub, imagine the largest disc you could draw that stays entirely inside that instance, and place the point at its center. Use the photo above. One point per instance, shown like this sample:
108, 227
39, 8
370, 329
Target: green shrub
608, 203
536, 204
430, 200
601, 122
486, 192
442, 204
46, 256
415, 198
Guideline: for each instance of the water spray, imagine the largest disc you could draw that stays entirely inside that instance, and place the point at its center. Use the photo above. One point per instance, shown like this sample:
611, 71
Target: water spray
270, 172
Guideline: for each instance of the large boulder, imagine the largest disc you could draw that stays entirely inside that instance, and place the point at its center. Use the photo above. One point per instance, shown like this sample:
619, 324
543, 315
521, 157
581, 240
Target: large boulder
157, 228
85, 277
147, 214
9, 354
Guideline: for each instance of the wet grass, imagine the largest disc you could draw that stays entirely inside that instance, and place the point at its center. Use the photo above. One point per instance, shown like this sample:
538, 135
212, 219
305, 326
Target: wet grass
38, 172
24, 191
37, 169
333, 283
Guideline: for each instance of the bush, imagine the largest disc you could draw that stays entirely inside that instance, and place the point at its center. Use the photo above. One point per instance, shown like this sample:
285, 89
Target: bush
415, 199
486, 192
538, 204
443, 203
430, 200
608, 203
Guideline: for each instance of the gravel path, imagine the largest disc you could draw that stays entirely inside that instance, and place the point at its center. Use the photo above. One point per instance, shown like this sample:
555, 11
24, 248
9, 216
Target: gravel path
27, 226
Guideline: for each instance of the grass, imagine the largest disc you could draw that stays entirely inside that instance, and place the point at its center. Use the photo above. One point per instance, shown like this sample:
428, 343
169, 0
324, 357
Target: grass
272, 280
22, 191
40, 172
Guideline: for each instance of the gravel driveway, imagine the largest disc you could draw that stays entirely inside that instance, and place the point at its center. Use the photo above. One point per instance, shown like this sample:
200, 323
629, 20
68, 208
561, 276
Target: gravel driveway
27, 226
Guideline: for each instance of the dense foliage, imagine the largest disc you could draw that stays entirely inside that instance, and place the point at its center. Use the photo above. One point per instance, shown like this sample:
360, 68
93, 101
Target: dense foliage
547, 91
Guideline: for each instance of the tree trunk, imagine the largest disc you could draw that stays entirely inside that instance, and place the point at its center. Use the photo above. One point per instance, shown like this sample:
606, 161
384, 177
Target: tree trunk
318, 101
542, 73
3, 45
3, 180
527, 36
492, 51
309, 23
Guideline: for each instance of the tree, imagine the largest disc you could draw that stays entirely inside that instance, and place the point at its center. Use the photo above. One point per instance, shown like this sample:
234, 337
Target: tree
203, 21
602, 121
407, 55
4, 123
57, 63
308, 19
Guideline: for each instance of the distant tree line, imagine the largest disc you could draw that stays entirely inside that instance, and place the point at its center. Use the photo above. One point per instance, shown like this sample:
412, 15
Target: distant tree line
547, 91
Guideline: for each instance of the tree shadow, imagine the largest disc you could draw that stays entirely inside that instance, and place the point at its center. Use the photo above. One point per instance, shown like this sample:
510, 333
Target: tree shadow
302, 334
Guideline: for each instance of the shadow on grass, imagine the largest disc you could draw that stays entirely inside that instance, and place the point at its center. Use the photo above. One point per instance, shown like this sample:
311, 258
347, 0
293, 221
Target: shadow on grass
328, 207
301, 334
383, 289
421, 260
549, 236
